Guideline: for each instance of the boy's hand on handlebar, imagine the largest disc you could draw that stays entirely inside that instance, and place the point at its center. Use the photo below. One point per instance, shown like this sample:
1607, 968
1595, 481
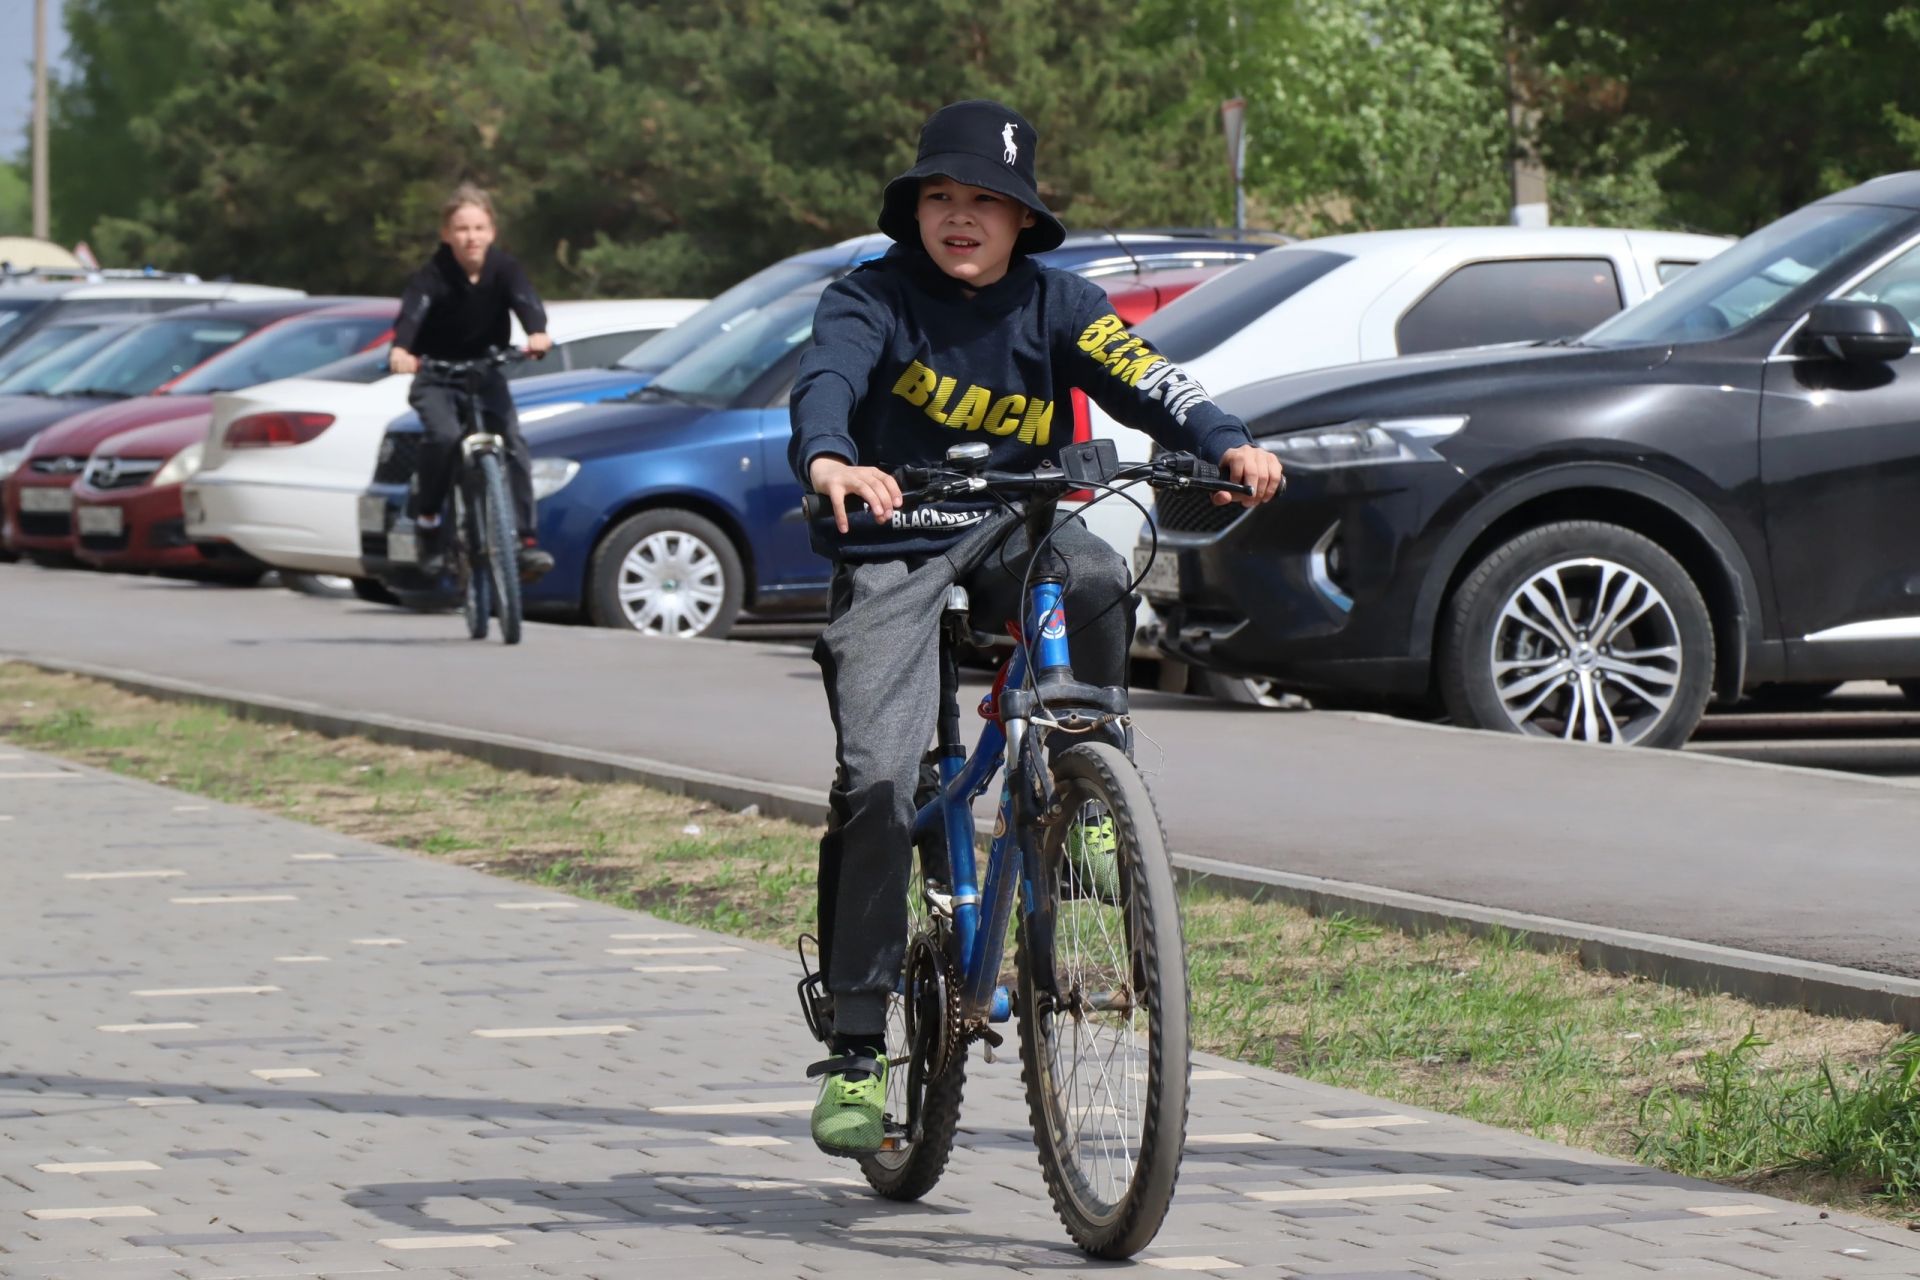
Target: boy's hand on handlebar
834, 479
401, 360
538, 344
1254, 467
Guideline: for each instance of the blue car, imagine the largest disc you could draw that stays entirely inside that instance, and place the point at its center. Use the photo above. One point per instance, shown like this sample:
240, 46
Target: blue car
668, 505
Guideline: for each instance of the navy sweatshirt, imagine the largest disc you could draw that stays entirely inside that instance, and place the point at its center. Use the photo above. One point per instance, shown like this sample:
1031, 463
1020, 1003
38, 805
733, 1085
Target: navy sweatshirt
903, 365
448, 317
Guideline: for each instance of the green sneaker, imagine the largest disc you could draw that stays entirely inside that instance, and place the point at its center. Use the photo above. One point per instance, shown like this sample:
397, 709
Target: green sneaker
1093, 862
849, 1119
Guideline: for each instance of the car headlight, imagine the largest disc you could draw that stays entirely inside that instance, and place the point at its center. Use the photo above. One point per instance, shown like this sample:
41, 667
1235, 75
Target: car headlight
541, 413
550, 475
1364, 444
180, 465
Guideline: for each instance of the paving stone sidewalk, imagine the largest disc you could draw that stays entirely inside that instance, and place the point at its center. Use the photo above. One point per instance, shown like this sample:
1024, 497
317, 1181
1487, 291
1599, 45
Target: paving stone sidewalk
236, 1046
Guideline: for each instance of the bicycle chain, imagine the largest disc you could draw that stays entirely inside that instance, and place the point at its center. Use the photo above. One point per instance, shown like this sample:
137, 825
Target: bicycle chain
929, 964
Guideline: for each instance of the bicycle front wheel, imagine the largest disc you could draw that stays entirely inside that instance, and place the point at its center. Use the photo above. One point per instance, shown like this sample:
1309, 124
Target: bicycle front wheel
1104, 1056
502, 548
468, 546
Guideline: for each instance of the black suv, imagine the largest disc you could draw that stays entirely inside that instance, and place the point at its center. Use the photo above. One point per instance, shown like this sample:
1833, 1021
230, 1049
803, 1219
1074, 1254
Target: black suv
1589, 539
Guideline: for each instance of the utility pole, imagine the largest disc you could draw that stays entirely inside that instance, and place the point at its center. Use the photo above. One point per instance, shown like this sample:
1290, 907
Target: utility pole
1528, 173
41, 199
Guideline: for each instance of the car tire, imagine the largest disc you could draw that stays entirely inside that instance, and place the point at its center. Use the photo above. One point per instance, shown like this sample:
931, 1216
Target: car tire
667, 572
373, 591
327, 586
1528, 609
1247, 691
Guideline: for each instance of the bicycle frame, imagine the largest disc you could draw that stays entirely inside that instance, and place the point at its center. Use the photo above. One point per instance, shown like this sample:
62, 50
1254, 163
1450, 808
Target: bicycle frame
981, 911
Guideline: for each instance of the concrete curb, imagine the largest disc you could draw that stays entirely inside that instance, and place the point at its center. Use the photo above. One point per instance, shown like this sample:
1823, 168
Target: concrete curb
1755, 976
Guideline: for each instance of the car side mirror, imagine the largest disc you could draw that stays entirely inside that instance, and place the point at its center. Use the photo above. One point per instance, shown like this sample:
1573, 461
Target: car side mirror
1857, 332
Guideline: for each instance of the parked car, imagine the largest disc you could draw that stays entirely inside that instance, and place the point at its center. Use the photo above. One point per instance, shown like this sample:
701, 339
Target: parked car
671, 513
140, 360
1589, 539
291, 497
135, 380
39, 375
1142, 269
1377, 294
127, 511
28, 306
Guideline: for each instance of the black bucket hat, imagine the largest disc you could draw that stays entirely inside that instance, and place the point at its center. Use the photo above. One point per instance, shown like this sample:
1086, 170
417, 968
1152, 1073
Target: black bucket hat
983, 144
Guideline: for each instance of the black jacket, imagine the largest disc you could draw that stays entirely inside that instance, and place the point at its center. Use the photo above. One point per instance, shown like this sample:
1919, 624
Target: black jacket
903, 365
447, 317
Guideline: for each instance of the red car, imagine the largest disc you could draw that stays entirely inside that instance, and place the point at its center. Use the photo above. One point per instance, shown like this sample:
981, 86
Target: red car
38, 496
1141, 293
126, 504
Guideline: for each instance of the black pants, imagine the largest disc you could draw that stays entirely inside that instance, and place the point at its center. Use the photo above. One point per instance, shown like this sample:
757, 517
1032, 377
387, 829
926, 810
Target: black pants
880, 660
437, 401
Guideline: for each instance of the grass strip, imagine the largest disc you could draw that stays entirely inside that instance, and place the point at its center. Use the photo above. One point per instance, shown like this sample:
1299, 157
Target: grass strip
1821, 1109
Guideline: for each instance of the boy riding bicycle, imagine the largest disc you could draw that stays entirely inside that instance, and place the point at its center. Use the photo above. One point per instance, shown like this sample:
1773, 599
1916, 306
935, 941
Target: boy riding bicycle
456, 308
955, 335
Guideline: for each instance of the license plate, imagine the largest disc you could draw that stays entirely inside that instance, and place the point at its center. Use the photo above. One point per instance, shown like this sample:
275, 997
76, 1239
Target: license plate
103, 522
1161, 579
45, 498
373, 513
196, 510
403, 547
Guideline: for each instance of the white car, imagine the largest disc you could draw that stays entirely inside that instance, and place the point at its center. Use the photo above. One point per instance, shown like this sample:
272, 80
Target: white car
295, 503
1377, 294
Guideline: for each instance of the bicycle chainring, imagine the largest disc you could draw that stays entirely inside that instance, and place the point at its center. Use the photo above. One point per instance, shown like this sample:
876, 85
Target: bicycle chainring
932, 979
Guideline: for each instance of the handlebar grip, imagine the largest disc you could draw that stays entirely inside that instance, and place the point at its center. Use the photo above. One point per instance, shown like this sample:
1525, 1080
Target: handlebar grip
817, 506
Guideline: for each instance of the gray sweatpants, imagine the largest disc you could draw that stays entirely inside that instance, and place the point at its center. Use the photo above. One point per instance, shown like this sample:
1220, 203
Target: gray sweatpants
880, 658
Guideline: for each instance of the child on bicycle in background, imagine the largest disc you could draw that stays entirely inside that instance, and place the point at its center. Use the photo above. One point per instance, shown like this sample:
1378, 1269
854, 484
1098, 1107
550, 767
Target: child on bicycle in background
456, 308
955, 335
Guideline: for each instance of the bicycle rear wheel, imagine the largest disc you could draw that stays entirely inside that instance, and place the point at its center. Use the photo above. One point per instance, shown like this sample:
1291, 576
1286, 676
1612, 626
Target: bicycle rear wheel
502, 547
1105, 1059
914, 1015
468, 550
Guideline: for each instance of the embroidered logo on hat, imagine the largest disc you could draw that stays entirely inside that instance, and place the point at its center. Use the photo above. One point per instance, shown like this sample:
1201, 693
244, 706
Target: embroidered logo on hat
1012, 152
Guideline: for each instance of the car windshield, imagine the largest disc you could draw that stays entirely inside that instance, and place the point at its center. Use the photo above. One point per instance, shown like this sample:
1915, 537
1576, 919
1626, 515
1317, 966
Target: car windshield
45, 340
37, 377
727, 366
1753, 277
364, 367
137, 362
15, 310
724, 314
283, 350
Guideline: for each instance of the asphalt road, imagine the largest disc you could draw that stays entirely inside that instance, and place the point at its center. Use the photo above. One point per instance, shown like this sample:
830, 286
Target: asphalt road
1811, 865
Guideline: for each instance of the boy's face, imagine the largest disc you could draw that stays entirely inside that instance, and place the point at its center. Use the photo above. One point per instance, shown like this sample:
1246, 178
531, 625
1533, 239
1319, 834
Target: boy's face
969, 231
468, 232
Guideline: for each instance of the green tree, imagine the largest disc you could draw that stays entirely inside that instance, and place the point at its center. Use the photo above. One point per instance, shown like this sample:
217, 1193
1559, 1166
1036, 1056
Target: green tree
16, 201
125, 56
747, 129
1743, 109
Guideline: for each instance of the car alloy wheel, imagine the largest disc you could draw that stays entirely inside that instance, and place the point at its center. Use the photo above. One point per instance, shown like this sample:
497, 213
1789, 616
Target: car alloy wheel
1581, 631
1589, 650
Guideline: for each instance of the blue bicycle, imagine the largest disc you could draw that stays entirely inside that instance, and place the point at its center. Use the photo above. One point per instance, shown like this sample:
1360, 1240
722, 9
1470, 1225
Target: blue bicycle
1100, 982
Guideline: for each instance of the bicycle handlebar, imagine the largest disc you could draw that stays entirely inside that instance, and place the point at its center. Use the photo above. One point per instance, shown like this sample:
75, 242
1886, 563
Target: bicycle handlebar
933, 484
496, 358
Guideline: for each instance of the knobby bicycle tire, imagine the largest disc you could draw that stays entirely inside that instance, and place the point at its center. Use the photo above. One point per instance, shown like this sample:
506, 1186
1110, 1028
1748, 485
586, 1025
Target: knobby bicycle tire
468, 544
502, 548
911, 1174
1111, 1195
